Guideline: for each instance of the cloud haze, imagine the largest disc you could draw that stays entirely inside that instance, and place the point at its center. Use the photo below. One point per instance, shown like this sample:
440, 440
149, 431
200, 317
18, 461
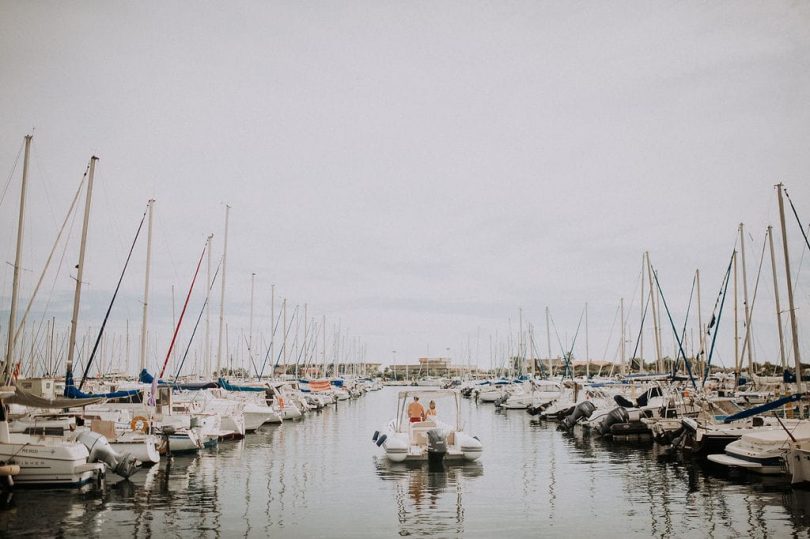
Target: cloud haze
417, 172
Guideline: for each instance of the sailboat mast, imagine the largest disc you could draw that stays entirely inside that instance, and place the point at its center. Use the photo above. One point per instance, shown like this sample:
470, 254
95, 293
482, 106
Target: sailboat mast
736, 323
548, 340
641, 323
74, 321
621, 307
207, 349
749, 326
702, 342
797, 359
150, 205
776, 299
654, 305
273, 324
222, 294
250, 335
587, 346
17, 265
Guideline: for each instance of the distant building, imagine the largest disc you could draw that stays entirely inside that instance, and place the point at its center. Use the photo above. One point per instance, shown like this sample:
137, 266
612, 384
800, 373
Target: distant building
428, 366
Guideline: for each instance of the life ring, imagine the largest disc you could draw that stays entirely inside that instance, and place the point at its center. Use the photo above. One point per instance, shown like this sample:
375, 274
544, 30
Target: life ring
140, 423
281, 402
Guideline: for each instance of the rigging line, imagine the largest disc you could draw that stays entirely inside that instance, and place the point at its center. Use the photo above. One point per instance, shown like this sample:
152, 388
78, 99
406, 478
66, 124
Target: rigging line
11, 174
674, 331
36, 162
641, 329
573, 342
286, 334
723, 294
112, 301
197, 323
612, 327
183, 312
270, 346
676, 363
747, 338
50, 257
801, 226
559, 342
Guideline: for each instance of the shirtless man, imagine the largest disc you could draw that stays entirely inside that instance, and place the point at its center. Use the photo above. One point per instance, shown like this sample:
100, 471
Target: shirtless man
416, 412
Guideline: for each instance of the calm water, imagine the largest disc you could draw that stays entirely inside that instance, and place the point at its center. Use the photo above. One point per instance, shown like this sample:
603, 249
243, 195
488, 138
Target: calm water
324, 477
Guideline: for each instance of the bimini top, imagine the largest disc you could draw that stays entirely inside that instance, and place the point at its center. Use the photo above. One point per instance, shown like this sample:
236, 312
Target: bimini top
449, 413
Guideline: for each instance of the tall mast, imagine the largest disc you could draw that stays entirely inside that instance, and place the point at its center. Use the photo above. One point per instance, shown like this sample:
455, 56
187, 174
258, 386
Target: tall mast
150, 206
284, 342
702, 341
306, 342
323, 352
621, 307
548, 340
797, 359
222, 294
736, 322
520, 340
642, 305
749, 327
587, 346
17, 264
776, 299
250, 335
74, 321
654, 305
207, 349
273, 324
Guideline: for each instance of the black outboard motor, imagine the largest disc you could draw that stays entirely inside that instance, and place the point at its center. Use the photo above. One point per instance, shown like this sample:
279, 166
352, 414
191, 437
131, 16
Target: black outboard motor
582, 410
618, 415
436, 447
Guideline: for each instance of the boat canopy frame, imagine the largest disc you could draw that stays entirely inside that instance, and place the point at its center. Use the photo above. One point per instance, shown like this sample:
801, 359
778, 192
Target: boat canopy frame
426, 394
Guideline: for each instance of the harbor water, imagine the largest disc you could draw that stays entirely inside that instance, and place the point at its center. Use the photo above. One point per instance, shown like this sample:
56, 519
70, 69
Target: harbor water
323, 477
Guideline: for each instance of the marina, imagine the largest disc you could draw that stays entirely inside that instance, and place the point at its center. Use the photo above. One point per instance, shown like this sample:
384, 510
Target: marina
293, 479
369, 269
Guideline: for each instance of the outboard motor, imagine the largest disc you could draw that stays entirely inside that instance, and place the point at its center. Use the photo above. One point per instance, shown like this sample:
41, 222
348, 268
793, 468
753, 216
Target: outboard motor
582, 410
618, 415
436, 447
101, 451
500, 400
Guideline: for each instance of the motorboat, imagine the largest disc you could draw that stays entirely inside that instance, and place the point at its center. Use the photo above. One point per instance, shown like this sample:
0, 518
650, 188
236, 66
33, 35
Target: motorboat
436, 439
763, 452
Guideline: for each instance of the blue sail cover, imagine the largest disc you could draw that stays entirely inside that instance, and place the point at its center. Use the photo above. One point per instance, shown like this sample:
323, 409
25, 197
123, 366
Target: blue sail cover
146, 378
73, 392
223, 383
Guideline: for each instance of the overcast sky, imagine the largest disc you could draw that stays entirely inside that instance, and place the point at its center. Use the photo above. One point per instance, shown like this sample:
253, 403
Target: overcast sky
415, 171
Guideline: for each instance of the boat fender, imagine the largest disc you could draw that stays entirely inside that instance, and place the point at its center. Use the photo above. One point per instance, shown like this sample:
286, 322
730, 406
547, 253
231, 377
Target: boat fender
381, 440
376, 434
281, 402
139, 423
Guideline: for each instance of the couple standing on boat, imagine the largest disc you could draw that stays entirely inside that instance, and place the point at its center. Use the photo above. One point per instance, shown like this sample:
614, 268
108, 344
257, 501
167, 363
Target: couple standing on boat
417, 413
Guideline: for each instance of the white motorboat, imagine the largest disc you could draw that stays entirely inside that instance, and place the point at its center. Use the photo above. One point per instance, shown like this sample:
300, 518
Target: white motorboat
531, 393
763, 452
432, 440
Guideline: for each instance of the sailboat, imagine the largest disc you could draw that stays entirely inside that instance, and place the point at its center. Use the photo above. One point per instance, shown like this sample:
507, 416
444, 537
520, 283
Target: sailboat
49, 458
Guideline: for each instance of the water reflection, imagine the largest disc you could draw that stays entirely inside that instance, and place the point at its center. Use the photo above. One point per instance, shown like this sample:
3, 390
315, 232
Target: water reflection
323, 476
429, 498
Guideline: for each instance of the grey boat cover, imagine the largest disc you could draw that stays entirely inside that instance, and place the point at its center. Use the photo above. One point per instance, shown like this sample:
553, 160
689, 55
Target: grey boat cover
25, 398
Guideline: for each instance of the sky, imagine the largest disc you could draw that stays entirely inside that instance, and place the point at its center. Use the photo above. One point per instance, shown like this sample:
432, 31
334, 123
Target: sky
422, 174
